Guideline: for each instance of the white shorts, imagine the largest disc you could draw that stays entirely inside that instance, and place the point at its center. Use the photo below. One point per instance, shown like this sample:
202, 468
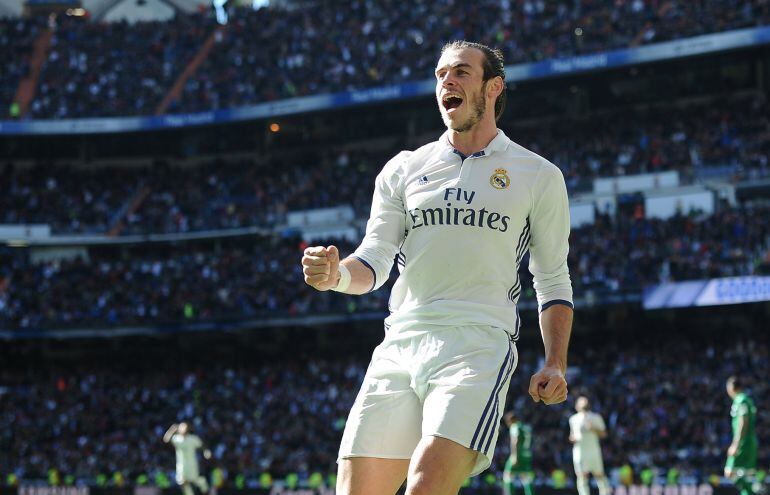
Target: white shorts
450, 383
188, 475
587, 461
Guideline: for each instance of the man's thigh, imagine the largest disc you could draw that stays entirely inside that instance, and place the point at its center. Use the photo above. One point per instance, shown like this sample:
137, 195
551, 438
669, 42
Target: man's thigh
370, 476
466, 393
386, 417
439, 466
593, 464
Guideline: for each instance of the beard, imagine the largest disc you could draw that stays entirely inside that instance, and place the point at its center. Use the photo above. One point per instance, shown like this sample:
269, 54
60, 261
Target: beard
478, 109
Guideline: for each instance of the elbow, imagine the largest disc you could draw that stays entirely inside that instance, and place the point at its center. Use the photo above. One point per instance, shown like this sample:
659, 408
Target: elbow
551, 289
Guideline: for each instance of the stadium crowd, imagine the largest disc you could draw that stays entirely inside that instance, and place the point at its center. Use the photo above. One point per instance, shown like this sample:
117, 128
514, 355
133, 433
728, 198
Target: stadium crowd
101, 422
231, 193
233, 280
17, 37
225, 281
109, 69
272, 53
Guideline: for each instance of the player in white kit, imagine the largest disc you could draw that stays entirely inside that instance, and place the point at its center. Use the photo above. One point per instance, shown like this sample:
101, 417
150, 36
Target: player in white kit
457, 215
586, 428
186, 445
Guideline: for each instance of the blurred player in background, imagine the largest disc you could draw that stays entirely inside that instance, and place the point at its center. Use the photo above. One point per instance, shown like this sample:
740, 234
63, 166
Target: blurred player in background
519, 463
742, 453
458, 215
586, 428
186, 445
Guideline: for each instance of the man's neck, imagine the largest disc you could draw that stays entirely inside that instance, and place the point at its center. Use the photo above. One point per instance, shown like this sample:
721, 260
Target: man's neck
475, 139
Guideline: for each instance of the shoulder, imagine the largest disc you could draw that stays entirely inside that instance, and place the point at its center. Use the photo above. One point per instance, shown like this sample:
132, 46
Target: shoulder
529, 166
410, 161
396, 166
518, 153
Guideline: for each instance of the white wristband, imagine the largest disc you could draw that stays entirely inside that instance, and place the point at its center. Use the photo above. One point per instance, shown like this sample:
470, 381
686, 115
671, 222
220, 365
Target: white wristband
344, 282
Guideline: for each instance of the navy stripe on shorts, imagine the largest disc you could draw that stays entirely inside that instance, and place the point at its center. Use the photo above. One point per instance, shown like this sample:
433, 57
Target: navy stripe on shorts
487, 415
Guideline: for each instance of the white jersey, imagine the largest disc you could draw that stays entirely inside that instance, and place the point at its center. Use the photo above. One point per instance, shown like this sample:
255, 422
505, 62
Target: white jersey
460, 227
186, 459
580, 426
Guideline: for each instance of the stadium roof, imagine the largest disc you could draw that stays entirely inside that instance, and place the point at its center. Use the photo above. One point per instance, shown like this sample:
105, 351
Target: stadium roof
119, 9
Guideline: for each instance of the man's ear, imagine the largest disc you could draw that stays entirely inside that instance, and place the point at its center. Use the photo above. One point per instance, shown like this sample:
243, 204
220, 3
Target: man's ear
495, 87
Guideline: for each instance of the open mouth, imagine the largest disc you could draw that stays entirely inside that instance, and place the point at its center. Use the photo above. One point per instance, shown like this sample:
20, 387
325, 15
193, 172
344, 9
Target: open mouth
451, 102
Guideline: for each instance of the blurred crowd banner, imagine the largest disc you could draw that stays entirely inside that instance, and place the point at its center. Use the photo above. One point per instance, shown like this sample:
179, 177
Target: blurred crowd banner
688, 47
714, 292
702, 489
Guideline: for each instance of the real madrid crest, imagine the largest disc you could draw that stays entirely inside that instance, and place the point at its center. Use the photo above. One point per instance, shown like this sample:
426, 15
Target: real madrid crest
500, 179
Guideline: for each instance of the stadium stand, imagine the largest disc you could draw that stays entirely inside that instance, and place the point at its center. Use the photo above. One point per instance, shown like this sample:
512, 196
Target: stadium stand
113, 69
231, 280
231, 193
17, 37
271, 397
665, 407
272, 53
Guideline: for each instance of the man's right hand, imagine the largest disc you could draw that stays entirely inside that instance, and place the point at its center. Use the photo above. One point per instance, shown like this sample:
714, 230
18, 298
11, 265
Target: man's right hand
321, 267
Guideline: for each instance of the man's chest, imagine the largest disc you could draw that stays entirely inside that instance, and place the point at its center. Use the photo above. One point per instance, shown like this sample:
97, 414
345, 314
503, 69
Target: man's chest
478, 192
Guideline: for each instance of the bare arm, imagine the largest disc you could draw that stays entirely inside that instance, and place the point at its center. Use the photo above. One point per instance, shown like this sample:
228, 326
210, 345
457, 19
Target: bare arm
556, 327
602, 434
741, 431
514, 448
170, 433
738, 436
549, 384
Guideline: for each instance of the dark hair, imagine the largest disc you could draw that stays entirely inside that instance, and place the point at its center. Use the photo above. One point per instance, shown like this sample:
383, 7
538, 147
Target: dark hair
494, 66
736, 382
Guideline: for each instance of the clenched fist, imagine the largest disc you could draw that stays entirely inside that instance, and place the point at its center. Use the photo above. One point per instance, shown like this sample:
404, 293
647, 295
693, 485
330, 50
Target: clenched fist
548, 385
321, 267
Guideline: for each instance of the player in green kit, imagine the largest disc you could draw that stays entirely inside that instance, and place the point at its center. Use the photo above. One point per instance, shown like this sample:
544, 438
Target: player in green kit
742, 454
519, 463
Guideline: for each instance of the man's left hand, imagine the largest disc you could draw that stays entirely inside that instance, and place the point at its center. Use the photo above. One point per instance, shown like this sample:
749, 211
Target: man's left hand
548, 385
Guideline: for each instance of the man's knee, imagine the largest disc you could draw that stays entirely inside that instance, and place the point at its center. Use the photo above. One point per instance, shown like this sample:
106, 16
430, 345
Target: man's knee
425, 484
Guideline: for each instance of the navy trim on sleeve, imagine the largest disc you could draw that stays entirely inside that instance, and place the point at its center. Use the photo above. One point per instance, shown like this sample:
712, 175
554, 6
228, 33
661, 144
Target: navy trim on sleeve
367, 265
555, 302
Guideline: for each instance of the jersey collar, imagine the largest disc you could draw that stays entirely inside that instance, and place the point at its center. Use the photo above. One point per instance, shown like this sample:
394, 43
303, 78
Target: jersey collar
499, 143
